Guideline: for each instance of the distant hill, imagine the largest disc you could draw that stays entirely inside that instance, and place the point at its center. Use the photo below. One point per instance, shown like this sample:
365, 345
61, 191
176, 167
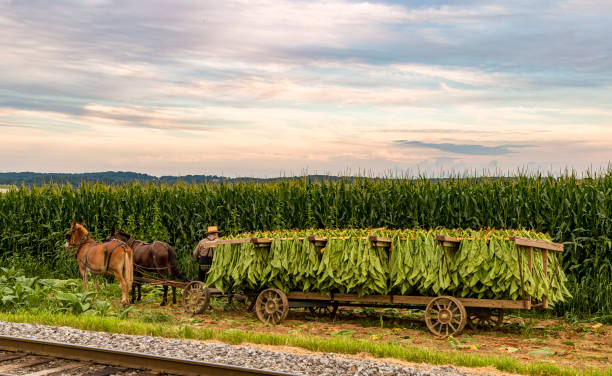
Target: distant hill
121, 177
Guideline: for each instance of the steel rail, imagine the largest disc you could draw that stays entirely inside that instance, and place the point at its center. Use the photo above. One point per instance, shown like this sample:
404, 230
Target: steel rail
127, 359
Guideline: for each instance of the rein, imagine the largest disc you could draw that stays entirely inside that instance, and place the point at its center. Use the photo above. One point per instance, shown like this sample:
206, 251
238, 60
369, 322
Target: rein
147, 269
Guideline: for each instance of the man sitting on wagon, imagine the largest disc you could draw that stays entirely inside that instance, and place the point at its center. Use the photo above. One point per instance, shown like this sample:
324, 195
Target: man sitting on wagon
204, 252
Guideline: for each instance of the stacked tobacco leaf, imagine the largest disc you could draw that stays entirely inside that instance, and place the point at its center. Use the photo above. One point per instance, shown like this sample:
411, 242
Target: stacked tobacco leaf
485, 265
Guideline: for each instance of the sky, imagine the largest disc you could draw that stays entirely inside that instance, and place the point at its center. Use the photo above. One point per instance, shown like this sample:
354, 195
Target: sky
272, 87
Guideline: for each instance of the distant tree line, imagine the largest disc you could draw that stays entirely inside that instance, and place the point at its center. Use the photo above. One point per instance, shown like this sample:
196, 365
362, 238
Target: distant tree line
120, 177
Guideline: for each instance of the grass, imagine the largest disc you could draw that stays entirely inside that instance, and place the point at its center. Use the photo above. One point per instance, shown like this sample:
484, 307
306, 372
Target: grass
337, 344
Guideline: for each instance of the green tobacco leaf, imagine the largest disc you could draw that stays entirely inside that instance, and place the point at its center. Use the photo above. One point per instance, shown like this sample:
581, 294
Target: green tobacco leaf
343, 333
542, 351
509, 349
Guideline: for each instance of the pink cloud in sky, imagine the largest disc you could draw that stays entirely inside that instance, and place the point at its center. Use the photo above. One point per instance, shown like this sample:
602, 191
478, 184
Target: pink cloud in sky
272, 86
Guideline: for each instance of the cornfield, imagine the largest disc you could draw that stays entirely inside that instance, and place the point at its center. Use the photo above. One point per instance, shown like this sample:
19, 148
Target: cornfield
571, 209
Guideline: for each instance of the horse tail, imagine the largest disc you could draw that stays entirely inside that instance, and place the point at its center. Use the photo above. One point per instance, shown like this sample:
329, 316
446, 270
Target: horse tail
128, 266
174, 272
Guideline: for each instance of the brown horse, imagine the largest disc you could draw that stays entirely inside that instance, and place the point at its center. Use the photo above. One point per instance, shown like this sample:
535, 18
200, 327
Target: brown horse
157, 259
114, 257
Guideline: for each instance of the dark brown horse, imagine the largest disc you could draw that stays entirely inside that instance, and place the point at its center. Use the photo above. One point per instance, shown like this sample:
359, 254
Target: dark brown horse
155, 260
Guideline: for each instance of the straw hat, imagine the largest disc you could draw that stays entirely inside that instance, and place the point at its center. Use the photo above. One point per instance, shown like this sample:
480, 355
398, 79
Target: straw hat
212, 230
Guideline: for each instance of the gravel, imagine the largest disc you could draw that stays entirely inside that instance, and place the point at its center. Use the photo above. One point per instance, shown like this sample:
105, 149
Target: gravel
243, 356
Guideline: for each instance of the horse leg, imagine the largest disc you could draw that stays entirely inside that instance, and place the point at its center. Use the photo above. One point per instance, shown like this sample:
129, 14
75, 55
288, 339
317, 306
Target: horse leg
124, 287
164, 300
84, 275
133, 299
136, 284
173, 276
96, 286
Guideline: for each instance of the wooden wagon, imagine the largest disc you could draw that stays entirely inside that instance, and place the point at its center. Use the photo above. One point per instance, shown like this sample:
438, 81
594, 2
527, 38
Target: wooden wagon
444, 315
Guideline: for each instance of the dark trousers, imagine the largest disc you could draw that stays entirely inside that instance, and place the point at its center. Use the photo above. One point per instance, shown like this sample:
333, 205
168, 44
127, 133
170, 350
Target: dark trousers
204, 264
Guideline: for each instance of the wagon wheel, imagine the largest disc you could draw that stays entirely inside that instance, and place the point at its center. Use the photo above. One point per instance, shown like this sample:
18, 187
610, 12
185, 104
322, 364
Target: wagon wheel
328, 310
241, 303
196, 297
484, 318
445, 316
272, 306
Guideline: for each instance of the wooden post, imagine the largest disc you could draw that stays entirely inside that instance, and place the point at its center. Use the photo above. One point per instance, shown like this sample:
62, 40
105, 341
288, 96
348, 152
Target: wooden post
545, 265
520, 265
530, 259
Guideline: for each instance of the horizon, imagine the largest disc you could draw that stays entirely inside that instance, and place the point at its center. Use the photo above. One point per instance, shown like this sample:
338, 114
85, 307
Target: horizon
390, 175
262, 88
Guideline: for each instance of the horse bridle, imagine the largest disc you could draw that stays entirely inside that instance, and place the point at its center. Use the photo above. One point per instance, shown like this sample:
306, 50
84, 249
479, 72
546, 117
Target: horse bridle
84, 240
72, 231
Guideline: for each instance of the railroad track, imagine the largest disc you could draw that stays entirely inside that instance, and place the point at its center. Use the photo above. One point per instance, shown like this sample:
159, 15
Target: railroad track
32, 357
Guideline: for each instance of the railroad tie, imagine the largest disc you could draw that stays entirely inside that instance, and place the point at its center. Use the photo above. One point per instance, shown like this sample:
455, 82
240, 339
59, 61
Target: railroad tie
57, 370
30, 363
11, 356
105, 371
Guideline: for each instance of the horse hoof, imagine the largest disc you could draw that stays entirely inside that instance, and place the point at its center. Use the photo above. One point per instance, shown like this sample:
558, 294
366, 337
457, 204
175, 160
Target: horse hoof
162, 304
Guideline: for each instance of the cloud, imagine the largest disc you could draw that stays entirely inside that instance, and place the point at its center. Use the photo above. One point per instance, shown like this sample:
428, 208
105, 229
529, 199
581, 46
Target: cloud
467, 149
469, 76
6, 124
590, 6
308, 81
159, 118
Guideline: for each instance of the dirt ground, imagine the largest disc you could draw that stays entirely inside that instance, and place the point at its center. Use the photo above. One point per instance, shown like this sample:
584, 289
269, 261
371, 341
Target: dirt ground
578, 345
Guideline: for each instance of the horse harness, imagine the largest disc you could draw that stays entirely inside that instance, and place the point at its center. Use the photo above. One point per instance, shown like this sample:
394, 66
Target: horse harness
107, 253
132, 242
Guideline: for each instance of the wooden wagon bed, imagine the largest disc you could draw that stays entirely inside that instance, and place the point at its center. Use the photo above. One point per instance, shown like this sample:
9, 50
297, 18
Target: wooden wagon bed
408, 300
